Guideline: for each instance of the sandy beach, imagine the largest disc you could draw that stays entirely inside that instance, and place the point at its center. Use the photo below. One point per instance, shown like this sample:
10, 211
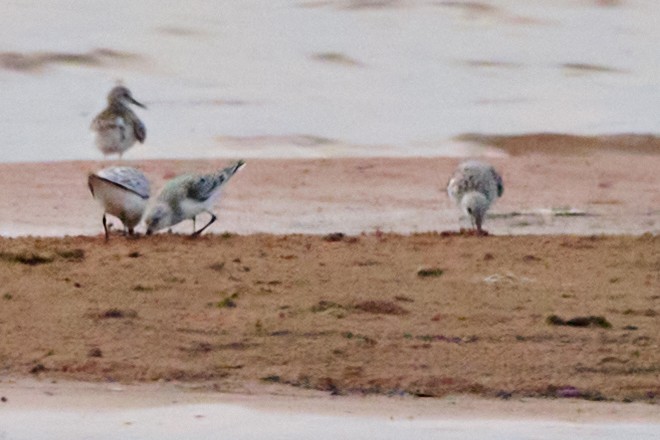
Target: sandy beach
338, 294
349, 276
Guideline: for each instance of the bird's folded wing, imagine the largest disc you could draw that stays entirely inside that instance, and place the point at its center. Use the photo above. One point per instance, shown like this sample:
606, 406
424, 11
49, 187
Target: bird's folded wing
201, 188
128, 178
140, 130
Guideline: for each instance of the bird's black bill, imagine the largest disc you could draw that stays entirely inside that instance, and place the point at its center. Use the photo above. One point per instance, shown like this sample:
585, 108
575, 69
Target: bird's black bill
139, 104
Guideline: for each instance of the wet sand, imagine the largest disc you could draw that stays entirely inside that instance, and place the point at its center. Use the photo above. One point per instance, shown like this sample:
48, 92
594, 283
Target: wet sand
576, 186
167, 411
30, 393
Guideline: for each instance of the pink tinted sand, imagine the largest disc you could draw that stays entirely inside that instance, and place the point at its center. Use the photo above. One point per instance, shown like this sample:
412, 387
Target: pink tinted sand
612, 192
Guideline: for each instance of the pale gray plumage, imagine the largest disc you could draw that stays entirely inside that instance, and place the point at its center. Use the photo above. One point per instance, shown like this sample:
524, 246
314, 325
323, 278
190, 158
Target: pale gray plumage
474, 187
122, 192
117, 127
186, 196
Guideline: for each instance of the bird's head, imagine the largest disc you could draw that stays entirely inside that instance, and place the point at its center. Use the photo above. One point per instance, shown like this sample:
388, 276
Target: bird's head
121, 94
158, 217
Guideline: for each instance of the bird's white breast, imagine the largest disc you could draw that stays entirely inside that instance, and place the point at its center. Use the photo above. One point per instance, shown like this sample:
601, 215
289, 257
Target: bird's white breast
119, 202
116, 138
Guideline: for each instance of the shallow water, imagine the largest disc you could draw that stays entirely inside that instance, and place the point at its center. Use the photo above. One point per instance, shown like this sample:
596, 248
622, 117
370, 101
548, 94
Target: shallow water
233, 421
302, 78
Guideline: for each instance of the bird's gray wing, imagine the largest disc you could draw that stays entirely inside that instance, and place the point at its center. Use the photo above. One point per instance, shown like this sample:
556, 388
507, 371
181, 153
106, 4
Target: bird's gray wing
128, 178
204, 186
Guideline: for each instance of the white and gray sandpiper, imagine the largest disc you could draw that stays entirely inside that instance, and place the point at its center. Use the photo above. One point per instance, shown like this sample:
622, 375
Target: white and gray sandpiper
474, 187
122, 192
187, 196
117, 127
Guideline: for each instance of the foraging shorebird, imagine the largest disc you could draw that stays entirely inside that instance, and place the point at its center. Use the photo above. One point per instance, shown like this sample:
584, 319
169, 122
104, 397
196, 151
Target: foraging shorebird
474, 186
186, 196
122, 192
117, 127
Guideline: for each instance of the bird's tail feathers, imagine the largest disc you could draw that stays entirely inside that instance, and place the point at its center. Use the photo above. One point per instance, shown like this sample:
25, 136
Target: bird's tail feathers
222, 176
226, 173
237, 166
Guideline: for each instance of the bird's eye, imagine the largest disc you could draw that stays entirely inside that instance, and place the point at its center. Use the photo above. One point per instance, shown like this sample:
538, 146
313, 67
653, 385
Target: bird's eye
469, 210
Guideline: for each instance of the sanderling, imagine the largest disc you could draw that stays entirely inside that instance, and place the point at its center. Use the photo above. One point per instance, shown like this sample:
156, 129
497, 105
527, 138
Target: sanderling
474, 186
122, 192
117, 127
186, 196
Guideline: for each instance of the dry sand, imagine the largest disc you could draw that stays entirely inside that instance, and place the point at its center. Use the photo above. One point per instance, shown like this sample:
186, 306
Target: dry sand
349, 316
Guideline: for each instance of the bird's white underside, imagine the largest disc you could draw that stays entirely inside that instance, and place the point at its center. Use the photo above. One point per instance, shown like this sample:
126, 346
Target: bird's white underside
119, 202
116, 139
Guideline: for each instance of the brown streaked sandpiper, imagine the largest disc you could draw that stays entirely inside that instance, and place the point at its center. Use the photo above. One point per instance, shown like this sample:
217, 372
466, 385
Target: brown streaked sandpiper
117, 127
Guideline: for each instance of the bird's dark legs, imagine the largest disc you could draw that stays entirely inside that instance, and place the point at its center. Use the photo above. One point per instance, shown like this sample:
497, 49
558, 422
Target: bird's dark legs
213, 218
194, 227
132, 235
477, 226
105, 228
480, 230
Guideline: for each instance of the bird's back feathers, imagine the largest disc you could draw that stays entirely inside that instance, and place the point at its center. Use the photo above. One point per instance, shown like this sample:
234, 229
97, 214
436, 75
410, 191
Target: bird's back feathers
201, 188
475, 176
127, 178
